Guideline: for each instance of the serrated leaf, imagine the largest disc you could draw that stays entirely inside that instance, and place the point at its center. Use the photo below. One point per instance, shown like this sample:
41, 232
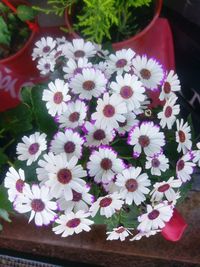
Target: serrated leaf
25, 13
129, 218
98, 219
26, 95
4, 215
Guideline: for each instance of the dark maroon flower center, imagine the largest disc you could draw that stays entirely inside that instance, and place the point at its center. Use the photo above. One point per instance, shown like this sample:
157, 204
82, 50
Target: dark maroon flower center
105, 202
122, 124
47, 66
120, 230
99, 135
69, 147
108, 111
106, 164
126, 92
33, 148
131, 185
144, 141
146, 74
182, 136
76, 196
73, 223
168, 111
37, 205
57, 54
121, 63
73, 117
19, 185
163, 188
46, 49
180, 165
58, 97
155, 163
79, 53
88, 85
167, 88
153, 214
64, 176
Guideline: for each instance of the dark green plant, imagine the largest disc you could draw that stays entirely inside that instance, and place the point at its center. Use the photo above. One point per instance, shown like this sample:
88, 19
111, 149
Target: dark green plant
97, 19
12, 23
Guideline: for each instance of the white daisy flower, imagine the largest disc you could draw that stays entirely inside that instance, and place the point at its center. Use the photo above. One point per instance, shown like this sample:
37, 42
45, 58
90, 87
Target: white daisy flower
146, 137
168, 115
110, 111
130, 90
103, 66
149, 71
118, 233
155, 218
103, 164
185, 167
42, 173
196, 158
61, 40
96, 136
127, 125
170, 86
107, 205
70, 223
111, 187
146, 234
74, 116
32, 147
15, 182
56, 97
43, 47
45, 65
78, 48
183, 136
157, 163
144, 107
90, 83
64, 176
165, 189
74, 67
133, 185
121, 61
69, 142
37, 200
80, 201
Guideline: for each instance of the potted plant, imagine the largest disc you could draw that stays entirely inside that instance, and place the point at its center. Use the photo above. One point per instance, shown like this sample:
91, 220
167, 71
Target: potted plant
16, 16
98, 152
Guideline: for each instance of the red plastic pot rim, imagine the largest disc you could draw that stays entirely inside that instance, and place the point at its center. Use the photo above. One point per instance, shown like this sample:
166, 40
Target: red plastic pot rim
158, 8
29, 41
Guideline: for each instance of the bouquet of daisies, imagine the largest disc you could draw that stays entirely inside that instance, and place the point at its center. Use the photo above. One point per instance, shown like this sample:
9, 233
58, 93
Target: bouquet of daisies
113, 156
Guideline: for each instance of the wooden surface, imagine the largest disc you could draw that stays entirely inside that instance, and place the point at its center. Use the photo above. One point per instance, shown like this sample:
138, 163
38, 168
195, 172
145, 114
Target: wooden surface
93, 248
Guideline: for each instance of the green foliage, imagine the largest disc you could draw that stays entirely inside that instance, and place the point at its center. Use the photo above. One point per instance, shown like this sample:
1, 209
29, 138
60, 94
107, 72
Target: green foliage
5, 205
25, 13
56, 7
4, 33
97, 18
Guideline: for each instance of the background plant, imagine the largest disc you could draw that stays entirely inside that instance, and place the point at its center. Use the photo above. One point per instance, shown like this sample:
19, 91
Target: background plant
95, 19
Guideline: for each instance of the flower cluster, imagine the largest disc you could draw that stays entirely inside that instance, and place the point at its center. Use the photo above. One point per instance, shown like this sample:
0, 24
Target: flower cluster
115, 159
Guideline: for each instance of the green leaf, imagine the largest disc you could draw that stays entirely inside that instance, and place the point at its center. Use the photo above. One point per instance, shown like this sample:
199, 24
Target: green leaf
44, 121
17, 120
3, 157
30, 174
129, 218
26, 95
4, 202
4, 33
99, 219
25, 12
4, 215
